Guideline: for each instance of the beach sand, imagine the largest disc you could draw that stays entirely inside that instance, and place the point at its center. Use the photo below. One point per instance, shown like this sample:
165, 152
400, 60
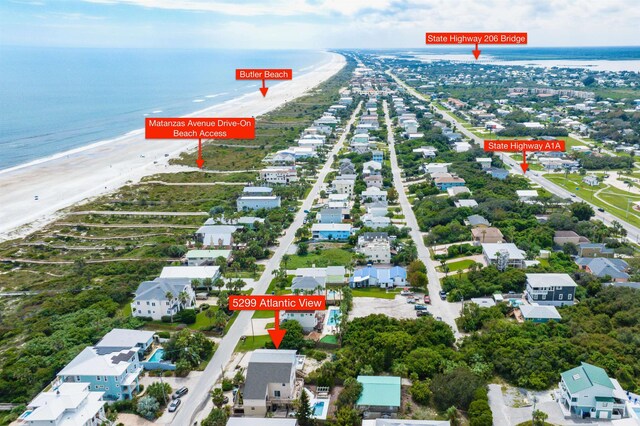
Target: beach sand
83, 173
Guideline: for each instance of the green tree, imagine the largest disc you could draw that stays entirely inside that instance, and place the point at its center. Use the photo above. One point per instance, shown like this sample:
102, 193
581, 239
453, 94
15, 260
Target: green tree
346, 416
350, 393
304, 412
420, 391
217, 396
455, 387
160, 391
147, 407
539, 418
303, 249
216, 417
452, 416
581, 211
294, 338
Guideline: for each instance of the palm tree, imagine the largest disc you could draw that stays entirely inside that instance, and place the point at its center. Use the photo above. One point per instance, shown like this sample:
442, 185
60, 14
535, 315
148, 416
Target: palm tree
183, 297
219, 282
452, 415
195, 283
170, 298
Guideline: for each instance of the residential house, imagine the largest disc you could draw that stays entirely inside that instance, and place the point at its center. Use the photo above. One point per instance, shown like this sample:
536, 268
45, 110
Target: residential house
376, 222
114, 373
436, 168
475, 220
503, 255
330, 215
331, 231
457, 190
527, 195
594, 250
377, 156
486, 235
346, 167
461, 146
587, 391
279, 175
206, 257
372, 276
248, 221
591, 180
377, 211
251, 421
344, 186
560, 238
190, 272
538, 313
371, 168
376, 246
465, 203
373, 194
119, 339
615, 269
308, 284
309, 320
271, 382
374, 181
426, 151
332, 274
485, 162
404, 422
444, 183
151, 301
380, 396
257, 203
498, 173
338, 201
219, 236
550, 289
299, 152
280, 159
67, 404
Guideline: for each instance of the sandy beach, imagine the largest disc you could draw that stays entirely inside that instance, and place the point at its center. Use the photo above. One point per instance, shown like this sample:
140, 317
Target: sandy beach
73, 176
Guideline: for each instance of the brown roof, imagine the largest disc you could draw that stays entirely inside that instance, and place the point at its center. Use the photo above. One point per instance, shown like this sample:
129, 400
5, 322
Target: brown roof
565, 234
486, 232
449, 179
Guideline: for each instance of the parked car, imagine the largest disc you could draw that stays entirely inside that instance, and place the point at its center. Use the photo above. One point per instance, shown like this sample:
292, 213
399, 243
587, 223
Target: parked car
411, 299
600, 209
439, 318
174, 405
423, 313
180, 392
420, 308
427, 299
443, 295
406, 292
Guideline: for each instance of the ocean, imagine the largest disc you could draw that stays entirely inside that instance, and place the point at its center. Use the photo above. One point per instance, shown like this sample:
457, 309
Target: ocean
56, 99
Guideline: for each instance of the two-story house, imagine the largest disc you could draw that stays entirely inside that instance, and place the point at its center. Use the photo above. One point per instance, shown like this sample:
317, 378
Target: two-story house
66, 404
330, 231
162, 297
588, 392
258, 202
270, 383
279, 175
376, 247
551, 289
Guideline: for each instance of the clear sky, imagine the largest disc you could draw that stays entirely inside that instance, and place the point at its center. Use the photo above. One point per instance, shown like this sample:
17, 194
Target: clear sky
266, 24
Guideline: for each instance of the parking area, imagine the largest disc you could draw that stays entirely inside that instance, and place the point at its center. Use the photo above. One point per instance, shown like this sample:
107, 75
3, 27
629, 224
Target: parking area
175, 383
395, 308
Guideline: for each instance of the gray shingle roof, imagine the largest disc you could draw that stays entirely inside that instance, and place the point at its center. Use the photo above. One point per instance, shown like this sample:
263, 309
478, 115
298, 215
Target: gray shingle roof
268, 366
158, 288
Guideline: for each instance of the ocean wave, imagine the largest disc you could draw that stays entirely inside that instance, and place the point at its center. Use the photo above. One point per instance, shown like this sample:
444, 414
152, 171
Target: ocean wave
198, 100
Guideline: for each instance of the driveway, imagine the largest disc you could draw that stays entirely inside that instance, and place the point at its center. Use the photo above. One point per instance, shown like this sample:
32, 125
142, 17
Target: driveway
175, 383
394, 308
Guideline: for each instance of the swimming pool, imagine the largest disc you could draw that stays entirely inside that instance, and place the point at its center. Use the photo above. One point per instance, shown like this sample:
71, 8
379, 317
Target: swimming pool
637, 411
318, 407
334, 317
157, 355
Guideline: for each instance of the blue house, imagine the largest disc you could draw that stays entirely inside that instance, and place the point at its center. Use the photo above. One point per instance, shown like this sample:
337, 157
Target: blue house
498, 173
331, 231
378, 156
371, 276
446, 182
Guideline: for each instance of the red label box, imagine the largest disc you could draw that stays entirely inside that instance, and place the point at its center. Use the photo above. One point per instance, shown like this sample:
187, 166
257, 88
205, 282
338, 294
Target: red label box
476, 38
264, 74
277, 303
523, 145
200, 128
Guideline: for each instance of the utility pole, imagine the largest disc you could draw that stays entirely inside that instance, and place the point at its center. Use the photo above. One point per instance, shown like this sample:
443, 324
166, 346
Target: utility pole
533, 413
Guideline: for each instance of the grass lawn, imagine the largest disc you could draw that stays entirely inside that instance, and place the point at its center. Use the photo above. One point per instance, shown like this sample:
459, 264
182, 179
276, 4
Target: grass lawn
330, 338
252, 343
269, 325
125, 311
460, 264
375, 292
263, 314
201, 320
326, 257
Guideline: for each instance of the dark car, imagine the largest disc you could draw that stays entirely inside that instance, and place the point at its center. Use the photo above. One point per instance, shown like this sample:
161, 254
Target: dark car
420, 308
443, 295
180, 393
600, 209
423, 313
174, 405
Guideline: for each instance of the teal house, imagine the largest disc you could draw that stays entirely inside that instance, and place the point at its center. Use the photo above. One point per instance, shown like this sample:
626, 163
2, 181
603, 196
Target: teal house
381, 395
588, 392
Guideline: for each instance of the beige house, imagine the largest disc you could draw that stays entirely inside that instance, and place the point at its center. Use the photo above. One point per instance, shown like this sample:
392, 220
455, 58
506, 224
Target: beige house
486, 235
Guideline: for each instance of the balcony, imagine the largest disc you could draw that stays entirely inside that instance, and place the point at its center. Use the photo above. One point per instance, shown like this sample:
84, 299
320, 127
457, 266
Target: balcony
297, 389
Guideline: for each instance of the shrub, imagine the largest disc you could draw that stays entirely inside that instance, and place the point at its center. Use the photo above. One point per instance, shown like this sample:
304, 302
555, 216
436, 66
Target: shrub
165, 318
187, 316
163, 334
227, 385
420, 392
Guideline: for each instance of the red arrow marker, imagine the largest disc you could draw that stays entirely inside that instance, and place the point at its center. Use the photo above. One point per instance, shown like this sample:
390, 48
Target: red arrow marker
476, 52
200, 161
264, 89
524, 164
277, 334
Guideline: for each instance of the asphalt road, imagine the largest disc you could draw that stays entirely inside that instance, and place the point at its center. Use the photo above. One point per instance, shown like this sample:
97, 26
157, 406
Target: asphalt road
439, 308
633, 232
186, 413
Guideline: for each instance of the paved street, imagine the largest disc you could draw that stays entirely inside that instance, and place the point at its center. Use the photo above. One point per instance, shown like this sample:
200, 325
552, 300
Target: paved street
187, 413
633, 232
439, 308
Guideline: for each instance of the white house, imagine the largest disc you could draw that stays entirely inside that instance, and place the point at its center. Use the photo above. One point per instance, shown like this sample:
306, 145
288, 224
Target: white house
344, 186
376, 222
203, 257
374, 194
503, 255
271, 381
371, 168
279, 175
436, 168
190, 272
151, 299
527, 195
220, 236
307, 319
67, 404
376, 246
257, 203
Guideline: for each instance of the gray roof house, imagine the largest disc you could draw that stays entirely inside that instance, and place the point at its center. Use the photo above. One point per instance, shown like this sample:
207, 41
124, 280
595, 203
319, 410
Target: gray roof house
603, 266
151, 297
271, 381
477, 220
551, 289
308, 284
120, 339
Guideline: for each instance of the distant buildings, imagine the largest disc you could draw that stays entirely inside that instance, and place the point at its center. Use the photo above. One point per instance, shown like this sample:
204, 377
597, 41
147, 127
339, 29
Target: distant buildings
551, 289
615, 269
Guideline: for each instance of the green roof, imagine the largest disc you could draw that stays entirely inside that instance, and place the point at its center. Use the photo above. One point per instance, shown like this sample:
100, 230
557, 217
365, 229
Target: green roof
209, 253
583, 377
381, 391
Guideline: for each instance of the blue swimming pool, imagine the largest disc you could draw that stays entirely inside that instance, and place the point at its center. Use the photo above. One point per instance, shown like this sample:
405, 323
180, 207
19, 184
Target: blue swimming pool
318, 407
637, 410
334, 317
157, 356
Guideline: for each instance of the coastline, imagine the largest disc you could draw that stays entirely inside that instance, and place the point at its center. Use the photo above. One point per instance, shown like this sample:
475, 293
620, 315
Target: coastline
70, 177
